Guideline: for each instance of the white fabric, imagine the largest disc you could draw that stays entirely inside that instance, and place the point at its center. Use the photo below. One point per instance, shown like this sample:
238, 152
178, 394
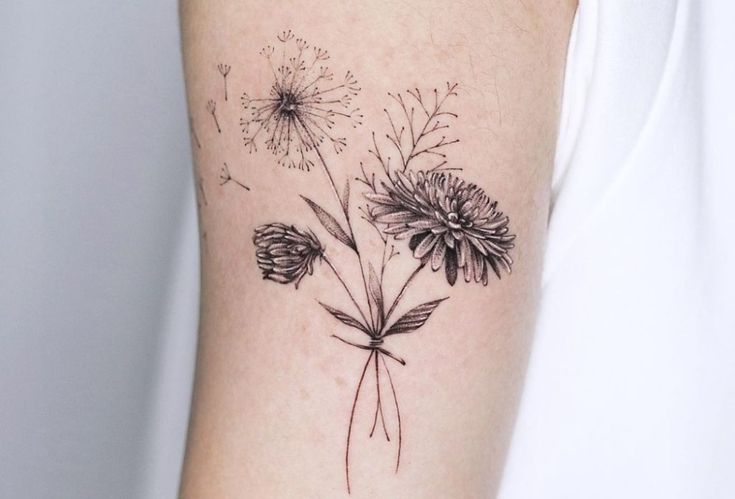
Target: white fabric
630, 387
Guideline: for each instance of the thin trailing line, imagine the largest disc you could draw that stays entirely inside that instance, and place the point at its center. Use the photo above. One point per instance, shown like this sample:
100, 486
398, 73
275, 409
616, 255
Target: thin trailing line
403, 290
352, 417
351, 233
344, 285
379, 405
398, 414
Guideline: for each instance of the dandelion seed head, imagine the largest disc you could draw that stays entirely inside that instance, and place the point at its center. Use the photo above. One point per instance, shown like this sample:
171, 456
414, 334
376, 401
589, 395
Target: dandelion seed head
303, 107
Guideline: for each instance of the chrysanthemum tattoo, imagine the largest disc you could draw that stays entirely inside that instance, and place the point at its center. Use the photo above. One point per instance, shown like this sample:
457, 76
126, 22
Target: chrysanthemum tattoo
303, 106
424, 212
448, 223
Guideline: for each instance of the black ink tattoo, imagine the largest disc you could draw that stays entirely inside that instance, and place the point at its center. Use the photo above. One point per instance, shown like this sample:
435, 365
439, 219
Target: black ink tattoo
194, 133
224, 70
202, 194
303, 105
205, 242
225, 177
410, 198
447, 222
421, 122
212, 109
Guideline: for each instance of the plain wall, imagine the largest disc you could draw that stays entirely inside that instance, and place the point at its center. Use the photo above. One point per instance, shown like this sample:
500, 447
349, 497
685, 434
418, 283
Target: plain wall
95, 199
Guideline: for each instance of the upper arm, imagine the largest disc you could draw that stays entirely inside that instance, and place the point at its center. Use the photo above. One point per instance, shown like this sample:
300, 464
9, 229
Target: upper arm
393, 159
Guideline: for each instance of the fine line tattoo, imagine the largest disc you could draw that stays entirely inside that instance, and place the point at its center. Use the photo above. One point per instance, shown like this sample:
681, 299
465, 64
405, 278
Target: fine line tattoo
225, 177
202, 193
194, 133
224, 70
212, 109
410, 195
302, 107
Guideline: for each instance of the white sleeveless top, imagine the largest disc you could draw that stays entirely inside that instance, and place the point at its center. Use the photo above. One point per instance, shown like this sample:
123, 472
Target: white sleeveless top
631, 386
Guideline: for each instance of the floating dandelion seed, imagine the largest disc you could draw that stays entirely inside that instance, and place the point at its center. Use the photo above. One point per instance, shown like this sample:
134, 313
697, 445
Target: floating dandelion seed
224, 70
212, 109
225, 177
202, 201
194, 133
303, 105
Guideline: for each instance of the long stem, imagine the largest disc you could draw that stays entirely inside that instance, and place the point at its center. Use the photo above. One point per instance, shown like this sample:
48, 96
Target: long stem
349, 228
403, 290
398, 414
352, 417
349, 293
379, 405
334, 189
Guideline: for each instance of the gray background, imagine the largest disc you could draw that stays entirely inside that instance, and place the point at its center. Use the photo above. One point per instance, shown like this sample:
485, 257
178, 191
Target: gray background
95, 189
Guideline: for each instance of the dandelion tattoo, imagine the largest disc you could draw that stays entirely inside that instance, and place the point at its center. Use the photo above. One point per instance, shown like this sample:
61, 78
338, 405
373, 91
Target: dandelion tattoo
212, 109
224, 70
225, 177
302, 107
410, 194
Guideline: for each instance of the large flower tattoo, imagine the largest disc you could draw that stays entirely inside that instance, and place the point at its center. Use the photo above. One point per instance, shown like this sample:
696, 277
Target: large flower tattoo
448, 222
303, 105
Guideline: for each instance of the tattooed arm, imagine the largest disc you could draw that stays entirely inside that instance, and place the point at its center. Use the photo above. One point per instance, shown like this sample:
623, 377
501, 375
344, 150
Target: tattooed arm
373, 185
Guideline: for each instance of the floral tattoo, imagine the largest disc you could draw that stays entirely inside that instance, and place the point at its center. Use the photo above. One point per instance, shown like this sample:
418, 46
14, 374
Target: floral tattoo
411, 195
303, 105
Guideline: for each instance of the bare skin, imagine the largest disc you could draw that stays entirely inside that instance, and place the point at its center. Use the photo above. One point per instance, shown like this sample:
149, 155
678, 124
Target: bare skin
274, 397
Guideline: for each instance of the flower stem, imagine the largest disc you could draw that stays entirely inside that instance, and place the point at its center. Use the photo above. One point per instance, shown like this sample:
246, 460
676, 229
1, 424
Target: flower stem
398, 413
378, 405
403, 290
352, 418
349, 293
346, 213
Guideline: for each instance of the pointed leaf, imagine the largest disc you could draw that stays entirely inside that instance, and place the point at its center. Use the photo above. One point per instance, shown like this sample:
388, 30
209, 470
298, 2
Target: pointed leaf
345, 318
414, 318
331, 224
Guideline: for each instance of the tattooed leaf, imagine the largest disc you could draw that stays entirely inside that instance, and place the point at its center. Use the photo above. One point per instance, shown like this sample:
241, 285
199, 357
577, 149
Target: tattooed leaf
345, 318
376, 293
414, 318
331, 224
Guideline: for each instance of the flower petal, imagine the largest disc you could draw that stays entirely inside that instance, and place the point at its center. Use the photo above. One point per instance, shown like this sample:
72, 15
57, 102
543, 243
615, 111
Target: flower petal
397, 217
426, 245
437, 256
450, 267
379, 198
